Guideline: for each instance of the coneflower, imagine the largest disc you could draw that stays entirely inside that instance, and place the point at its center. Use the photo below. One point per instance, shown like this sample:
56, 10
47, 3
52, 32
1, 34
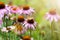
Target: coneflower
27, 10
3, 9
30, 23
21, 20
52, 15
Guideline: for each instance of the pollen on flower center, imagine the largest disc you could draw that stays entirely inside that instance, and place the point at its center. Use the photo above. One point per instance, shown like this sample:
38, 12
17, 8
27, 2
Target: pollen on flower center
20, 19
19, 28
30, 21
26, 8
26, 38
2, 5
52, 11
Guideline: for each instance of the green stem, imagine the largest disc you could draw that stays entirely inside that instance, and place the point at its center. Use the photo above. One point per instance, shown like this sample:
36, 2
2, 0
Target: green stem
53, 25
30, 32
52, 31
6, 23
9, 35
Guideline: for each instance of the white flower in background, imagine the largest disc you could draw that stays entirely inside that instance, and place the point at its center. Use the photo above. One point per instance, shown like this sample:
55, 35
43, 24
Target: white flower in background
11, 27
30, 23
27, 10
4, 29
52, 15
7, 29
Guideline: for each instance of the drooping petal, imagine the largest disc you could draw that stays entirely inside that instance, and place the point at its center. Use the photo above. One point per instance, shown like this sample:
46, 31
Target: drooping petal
32, 27
55, 19
51, 19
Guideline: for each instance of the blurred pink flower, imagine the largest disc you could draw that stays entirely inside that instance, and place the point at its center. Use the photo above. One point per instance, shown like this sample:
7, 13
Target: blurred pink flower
15, 10
52, 16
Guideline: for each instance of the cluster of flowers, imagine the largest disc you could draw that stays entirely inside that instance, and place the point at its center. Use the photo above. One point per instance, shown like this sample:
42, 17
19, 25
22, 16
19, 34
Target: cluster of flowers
21, 24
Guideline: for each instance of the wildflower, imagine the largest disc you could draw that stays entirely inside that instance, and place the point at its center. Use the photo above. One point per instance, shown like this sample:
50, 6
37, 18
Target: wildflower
27, 10
30, 23
52, 15
4, 29
14, 10
3, 9
21, 19
7, 29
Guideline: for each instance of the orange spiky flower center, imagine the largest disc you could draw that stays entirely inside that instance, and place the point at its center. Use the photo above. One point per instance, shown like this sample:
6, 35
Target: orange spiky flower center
21, 19
2, 5
25, 7
30, 21
26, 38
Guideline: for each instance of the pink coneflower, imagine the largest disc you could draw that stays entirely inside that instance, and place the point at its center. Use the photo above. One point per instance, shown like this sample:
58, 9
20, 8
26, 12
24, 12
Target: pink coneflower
21, 19
52, 15
2, 5
27, 10
14, 10
30, 23
3, 9
9, 6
